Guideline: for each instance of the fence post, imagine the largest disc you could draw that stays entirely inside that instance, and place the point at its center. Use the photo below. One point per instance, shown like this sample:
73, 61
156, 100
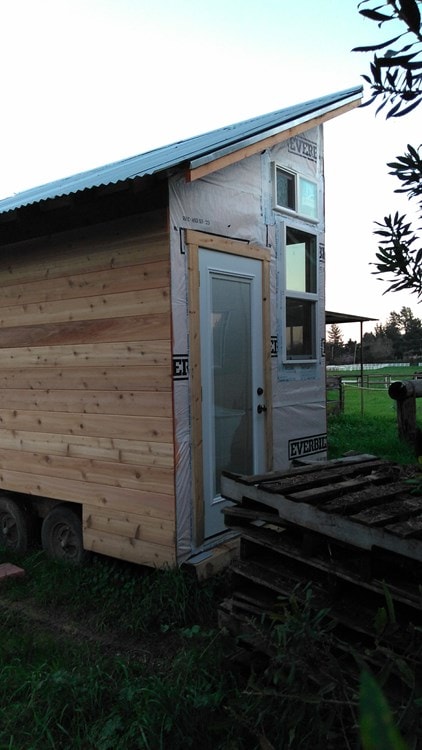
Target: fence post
405, 393
406, 419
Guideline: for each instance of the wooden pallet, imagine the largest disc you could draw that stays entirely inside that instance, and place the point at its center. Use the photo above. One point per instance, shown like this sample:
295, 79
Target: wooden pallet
351, 527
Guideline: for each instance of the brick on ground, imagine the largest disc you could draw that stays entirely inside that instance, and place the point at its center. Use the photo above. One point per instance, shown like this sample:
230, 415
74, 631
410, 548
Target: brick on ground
8, 570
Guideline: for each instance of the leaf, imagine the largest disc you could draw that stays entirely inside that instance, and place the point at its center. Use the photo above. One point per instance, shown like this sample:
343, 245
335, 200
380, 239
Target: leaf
380, 621
400, 60
376, 73
390, 604
409, 12
385, 102
366, 104
407, 674
393, 112
409, 108
373, 47
378, 731
374, 15
412, 152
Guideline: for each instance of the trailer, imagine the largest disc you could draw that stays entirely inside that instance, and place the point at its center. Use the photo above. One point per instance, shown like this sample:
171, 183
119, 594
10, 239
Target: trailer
162, 320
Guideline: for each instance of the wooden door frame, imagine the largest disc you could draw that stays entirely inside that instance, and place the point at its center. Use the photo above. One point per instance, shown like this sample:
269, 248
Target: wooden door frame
194, 241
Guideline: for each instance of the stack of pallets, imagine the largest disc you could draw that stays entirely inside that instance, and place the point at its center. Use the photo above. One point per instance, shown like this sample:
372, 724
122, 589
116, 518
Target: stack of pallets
350, 528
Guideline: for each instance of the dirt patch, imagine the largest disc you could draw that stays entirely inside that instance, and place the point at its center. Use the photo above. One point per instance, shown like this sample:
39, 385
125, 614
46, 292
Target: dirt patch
153, 650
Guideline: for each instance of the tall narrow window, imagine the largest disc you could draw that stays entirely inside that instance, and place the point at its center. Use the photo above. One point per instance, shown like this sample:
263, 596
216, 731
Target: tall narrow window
301, 294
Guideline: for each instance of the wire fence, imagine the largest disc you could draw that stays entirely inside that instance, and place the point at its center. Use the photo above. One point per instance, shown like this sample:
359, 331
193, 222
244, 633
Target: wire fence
367, 395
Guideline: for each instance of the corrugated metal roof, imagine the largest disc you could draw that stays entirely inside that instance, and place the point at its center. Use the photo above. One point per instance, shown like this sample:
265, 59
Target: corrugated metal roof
194, 151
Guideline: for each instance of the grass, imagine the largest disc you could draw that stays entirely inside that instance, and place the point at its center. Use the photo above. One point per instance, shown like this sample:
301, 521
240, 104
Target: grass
64, 693
112, 656
111, 594
179, 688
370, 434
368, 423
116, 657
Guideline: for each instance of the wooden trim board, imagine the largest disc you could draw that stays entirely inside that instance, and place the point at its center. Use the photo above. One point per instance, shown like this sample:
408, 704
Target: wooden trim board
195, 240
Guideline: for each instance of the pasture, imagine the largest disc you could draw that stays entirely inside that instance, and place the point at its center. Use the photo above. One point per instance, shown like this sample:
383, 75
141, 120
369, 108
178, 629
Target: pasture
368, 422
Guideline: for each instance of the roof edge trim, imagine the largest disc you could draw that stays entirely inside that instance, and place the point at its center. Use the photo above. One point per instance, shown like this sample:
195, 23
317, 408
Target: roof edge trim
252, 140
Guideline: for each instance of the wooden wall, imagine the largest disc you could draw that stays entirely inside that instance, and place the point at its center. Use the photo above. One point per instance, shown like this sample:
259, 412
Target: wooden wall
85, 382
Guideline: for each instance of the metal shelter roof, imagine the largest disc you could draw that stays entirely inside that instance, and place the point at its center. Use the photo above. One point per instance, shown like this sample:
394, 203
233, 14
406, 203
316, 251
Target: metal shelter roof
194, 152
340, 318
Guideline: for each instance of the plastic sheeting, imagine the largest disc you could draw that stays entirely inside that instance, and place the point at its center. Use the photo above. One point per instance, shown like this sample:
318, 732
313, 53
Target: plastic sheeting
238, 202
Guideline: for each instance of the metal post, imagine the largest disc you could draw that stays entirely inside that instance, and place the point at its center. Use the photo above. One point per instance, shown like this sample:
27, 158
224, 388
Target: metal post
361, 368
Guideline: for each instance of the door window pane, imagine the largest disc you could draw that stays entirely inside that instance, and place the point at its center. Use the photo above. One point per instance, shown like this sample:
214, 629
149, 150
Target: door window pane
232, 374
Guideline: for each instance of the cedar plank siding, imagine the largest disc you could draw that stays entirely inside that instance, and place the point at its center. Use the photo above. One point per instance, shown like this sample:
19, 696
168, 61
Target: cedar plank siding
85, 381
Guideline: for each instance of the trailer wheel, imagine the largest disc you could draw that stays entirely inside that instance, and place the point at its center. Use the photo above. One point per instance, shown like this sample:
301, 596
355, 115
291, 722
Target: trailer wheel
15, 526
61, 535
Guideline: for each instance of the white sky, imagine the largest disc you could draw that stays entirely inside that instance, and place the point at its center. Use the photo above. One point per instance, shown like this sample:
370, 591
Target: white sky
89, 82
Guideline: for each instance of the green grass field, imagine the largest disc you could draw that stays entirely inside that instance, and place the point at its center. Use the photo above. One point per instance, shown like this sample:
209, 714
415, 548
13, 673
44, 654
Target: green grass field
368, 423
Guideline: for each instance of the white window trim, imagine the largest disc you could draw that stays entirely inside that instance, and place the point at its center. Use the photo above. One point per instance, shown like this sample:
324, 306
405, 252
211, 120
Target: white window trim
293, 294
284, 209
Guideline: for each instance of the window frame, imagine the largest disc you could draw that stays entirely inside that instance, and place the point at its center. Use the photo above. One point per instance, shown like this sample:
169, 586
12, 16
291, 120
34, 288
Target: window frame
292, 294
297, 176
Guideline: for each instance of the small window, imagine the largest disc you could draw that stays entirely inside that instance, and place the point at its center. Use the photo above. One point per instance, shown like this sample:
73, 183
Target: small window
301, 294
300, 329
286, 189
307, 198
295, 193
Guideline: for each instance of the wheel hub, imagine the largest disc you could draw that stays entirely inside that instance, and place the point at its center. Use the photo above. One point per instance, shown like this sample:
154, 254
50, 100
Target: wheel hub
8, 526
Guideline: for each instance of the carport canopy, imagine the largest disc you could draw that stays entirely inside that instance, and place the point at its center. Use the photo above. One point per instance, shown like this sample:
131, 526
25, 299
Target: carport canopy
341, 318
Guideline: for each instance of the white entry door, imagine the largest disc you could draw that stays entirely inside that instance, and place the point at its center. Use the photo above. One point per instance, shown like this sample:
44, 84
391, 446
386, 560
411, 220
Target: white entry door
232, 374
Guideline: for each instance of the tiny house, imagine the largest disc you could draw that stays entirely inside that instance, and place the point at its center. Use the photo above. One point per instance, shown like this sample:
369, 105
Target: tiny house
162, 320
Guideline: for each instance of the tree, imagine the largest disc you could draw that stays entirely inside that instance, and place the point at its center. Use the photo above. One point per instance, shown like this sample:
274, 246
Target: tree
392, 331
334, 344
400, 250
400, 337
396, 76
396, 79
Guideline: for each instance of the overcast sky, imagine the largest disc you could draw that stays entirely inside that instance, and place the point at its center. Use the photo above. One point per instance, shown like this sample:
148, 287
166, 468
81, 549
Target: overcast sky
89, 82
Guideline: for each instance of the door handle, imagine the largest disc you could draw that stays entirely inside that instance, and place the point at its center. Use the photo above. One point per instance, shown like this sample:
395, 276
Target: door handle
261, 408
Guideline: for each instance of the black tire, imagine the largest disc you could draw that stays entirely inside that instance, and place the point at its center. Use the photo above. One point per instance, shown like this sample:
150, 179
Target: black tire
61, 535
16, 526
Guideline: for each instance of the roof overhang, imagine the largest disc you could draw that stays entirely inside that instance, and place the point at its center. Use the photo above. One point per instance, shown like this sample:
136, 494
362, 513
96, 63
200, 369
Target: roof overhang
235, 152
197, 156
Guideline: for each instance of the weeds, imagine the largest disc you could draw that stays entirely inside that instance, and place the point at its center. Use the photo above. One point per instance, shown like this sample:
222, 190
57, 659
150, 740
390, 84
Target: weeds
182, 690
375, 435
60, 692
114, 595
303, 699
